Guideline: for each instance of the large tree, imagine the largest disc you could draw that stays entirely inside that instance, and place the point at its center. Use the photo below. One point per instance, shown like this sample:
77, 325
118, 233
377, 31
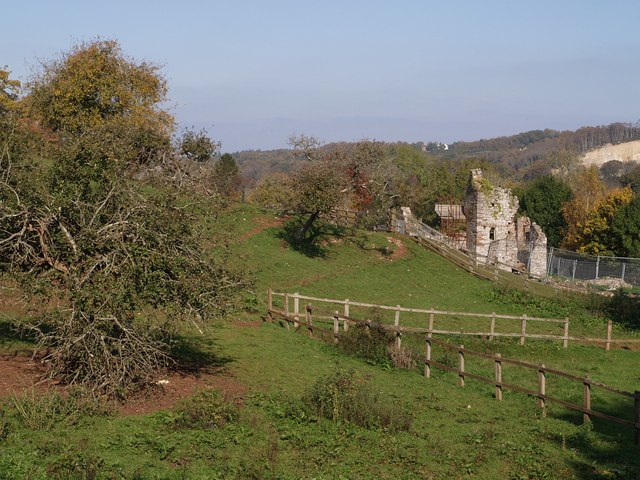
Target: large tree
119, 253
626, 228
542, 201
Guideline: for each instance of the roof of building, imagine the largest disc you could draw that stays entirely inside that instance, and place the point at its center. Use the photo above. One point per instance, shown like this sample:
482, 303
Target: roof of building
449, 212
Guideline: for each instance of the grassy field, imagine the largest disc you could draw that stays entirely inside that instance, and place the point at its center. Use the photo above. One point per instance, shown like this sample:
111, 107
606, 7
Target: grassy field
272, 429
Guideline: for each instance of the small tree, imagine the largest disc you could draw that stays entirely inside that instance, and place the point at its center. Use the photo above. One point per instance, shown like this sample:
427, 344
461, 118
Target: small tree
226, 176
597, 236
274, 192
197, 146
317, 188
588, 190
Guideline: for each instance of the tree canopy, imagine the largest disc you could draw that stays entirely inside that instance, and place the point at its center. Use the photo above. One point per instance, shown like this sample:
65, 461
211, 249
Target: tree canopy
95, 90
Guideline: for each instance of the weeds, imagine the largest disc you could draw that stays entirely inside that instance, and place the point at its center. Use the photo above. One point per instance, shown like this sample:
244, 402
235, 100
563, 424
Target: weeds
44, 411
205, 409
401, 357
4, 425
588, 310
342, 397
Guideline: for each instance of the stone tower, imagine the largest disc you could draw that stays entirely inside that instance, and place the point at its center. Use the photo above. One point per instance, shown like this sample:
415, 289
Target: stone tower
495, 235
490, 213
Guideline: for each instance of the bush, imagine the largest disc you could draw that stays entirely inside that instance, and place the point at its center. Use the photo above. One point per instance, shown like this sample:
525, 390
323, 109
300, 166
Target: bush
205, 409
342, 397
44, 411
371, 345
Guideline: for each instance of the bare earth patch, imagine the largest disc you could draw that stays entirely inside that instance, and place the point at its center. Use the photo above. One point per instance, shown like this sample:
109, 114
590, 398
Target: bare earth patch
179, 386
401, 250
19, 374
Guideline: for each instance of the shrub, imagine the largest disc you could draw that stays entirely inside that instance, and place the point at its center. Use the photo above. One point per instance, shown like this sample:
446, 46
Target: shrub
205, 409
342, 397
371, 345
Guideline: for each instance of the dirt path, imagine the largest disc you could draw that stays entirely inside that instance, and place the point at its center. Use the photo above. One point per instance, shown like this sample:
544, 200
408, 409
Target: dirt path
262, 224
401, 250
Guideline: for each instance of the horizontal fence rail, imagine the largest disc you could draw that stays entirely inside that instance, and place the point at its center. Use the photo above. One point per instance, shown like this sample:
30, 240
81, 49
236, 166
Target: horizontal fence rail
292, 306
306, 317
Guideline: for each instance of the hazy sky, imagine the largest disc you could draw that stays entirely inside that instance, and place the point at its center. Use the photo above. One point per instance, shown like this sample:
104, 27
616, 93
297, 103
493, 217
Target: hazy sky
253, 72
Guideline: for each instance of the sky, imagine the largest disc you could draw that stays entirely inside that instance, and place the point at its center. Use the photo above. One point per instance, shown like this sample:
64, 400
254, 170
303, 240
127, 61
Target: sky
254, 72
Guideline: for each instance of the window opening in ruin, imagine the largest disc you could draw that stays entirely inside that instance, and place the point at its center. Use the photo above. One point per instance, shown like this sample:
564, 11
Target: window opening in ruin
492, 234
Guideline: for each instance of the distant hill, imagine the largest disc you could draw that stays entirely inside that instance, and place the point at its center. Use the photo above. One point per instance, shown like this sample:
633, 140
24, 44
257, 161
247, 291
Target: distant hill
522, 156
528, 154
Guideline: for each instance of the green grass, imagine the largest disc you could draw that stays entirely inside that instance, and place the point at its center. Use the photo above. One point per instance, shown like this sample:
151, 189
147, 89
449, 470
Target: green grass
456, 432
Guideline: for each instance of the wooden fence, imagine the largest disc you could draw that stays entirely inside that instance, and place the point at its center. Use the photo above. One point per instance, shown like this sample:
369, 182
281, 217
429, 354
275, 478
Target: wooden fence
296, 316
541, 392
292, 306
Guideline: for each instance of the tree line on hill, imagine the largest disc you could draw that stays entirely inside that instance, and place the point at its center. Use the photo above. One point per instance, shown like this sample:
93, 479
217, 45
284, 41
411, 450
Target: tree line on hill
524, 156
576, 208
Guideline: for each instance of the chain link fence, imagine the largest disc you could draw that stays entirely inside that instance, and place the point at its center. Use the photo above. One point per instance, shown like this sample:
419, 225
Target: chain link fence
591, 268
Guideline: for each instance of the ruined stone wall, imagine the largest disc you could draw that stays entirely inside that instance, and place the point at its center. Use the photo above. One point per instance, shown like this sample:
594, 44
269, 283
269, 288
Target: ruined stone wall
532, 246
493, 233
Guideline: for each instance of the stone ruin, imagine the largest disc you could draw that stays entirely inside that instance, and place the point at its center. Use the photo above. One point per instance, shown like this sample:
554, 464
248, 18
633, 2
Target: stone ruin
496, 235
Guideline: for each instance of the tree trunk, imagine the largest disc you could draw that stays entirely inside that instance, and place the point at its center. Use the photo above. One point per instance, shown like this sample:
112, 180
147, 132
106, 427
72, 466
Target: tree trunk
307, 225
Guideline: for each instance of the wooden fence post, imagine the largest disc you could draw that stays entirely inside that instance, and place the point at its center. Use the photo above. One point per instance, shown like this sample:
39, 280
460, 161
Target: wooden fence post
296, 309
636, 415
427, 366
565, 342
586, 398
346, 314
542, 388
523, 330
609, 330
336, 327
492, 327
270, 304
286, 308
431, 320
461, 366
498, 377
396, 324
309, 320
